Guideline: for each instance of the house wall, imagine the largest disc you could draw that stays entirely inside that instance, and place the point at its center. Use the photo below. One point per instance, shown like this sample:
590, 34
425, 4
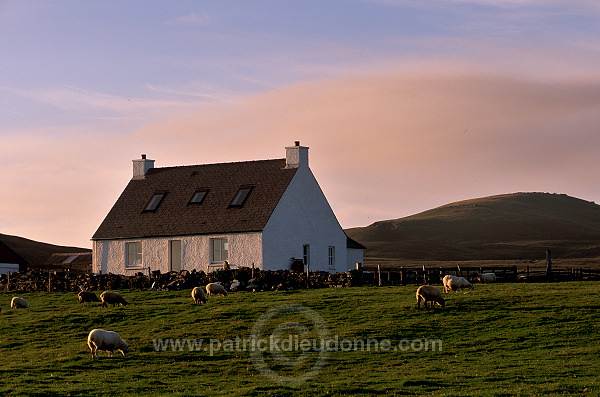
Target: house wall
109, 255
355, 256
303, 216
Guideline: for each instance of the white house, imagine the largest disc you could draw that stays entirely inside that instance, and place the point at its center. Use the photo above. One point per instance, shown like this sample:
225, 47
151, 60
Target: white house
255, 213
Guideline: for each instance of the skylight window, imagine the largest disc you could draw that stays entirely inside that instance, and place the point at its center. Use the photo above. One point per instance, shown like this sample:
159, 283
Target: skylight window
240, 197
154, 202
198, 196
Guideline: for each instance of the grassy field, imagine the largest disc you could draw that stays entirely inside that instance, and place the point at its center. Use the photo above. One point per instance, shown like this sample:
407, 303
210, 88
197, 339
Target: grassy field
498, 340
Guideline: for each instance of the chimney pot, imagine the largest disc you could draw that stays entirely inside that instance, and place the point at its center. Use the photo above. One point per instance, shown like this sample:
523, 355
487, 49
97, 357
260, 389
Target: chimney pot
143, 157
297, 143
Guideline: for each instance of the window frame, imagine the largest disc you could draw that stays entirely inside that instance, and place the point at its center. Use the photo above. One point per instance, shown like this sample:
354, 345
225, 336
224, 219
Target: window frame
155, 201
222, 248
240, 197
137, 254
198, 191
331, 256
306, 254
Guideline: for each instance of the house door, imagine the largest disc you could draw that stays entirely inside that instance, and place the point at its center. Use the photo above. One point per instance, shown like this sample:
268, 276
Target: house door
175, 255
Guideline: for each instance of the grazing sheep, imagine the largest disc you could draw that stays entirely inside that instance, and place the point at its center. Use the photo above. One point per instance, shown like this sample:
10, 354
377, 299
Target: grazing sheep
107, 341
87, 296
215, 288
198, 295
18, 303
454, 283
235, 285
114, 298
429, 294
487, 278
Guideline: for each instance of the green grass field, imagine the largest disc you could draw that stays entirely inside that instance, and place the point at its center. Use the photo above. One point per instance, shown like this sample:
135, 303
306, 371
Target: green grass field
498, 340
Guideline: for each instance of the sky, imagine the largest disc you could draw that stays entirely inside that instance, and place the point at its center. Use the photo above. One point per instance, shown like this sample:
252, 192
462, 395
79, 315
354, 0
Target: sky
406, 105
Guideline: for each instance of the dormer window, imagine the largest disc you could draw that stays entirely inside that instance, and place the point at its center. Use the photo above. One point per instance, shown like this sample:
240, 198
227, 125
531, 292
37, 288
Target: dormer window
240, 197
154, 202
198, 196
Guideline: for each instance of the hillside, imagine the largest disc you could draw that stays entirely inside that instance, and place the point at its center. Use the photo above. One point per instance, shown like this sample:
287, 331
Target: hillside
34, 251
511, 226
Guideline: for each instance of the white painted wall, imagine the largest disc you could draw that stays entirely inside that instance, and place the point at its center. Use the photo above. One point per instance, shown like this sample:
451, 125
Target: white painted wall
303, 216
355, 256
109, 255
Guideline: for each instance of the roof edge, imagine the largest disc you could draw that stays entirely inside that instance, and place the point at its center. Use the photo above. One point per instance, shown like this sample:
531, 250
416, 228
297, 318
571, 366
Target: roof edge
176, 235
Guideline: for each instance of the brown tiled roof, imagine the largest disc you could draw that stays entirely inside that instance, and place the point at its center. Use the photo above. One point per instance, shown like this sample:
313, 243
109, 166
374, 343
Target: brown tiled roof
66, 258
78, 262
175, 217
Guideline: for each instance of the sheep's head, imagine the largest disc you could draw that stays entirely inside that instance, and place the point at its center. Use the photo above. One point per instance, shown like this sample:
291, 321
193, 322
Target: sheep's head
442, 302
124, 351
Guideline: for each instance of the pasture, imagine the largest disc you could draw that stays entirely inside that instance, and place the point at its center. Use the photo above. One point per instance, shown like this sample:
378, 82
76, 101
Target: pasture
498, 340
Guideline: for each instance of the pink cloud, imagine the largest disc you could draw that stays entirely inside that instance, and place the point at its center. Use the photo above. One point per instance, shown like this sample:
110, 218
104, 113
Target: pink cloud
399, 143
383, 145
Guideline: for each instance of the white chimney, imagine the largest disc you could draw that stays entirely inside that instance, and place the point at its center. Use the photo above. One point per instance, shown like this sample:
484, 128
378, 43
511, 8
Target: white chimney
141, 167
296, 156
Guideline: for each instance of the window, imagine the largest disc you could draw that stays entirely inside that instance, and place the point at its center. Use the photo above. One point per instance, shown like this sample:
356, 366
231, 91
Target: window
331, 257
175, 255
133, 252
198, 196
306, 254
219, 250
154, 202
240, 197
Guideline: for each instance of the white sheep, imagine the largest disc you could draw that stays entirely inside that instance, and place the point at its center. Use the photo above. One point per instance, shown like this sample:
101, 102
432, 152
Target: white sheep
198, 295
486, 278
215, 288
108, 341
454, 283
429, 294
112, 298
235, 285
18, 303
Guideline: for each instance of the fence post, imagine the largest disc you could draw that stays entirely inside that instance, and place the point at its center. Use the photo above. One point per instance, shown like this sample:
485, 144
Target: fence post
379, 274
307, 276
402, 275
49, 281
359, 272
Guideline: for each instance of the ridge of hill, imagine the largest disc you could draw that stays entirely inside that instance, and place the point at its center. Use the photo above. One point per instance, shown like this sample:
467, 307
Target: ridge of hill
508, 226
35, 252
